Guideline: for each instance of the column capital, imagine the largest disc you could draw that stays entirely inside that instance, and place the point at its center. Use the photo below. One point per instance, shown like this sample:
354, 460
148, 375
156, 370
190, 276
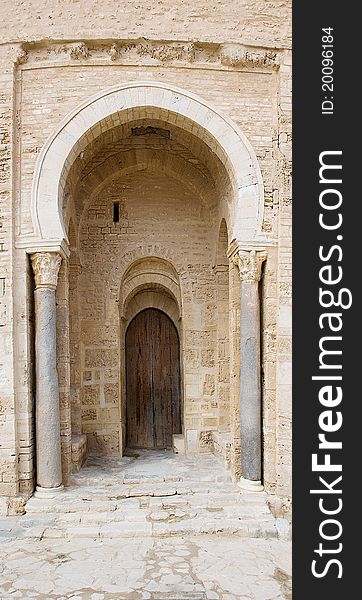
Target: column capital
249, 262
46, 268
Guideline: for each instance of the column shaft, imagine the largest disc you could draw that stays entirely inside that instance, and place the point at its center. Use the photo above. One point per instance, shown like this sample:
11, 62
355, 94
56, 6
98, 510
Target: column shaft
49, 467
47, 415
250, 393
249, 262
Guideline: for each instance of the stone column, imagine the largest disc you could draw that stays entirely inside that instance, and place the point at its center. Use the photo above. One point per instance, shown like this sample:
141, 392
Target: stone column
249, 263
48, 454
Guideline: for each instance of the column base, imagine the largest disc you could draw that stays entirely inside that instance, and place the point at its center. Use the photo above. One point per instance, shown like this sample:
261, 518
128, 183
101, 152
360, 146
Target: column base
250, 485
41, 492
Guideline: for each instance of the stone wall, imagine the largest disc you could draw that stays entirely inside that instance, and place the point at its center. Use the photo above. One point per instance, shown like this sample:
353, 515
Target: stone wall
260, 22
243, 68
8, 442
157, 211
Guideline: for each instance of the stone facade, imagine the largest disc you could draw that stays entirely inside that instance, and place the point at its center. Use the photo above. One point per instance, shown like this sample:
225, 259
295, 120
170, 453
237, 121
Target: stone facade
180, 117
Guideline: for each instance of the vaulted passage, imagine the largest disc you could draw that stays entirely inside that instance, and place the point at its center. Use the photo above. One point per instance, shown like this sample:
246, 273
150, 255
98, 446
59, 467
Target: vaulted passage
152, 381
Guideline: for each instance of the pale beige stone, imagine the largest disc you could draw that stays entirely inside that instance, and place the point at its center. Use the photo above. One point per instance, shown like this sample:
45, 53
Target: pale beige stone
220, 86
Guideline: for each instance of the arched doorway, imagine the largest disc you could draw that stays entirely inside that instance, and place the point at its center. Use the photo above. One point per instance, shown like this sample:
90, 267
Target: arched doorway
153, 391
145, 166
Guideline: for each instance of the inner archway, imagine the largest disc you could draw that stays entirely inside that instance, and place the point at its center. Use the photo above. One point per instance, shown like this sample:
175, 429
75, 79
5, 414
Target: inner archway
153, 390
131, 102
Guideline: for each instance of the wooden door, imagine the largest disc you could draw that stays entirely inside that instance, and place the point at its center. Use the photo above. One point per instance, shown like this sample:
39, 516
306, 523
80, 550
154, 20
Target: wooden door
152, 380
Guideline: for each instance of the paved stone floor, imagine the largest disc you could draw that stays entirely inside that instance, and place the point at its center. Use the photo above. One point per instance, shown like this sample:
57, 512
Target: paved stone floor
177, 568
148, 526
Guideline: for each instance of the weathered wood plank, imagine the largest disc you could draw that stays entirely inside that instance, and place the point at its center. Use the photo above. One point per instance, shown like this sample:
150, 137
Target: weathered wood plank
152, 381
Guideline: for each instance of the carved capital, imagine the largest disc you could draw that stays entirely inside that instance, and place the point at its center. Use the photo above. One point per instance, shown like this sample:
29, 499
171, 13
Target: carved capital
46, 268
249, 263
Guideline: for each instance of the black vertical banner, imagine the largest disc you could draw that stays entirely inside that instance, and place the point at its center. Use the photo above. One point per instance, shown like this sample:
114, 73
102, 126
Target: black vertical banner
327, 434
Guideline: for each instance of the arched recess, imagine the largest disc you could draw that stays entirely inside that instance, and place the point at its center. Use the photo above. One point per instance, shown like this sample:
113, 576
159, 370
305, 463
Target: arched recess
149, 271
150, 282
74, 327
135, 101
100, 176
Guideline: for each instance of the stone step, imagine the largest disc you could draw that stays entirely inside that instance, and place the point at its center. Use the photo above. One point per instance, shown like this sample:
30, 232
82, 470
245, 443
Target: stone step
252, 528
40, 506
91, 496
243, 521
210, 502
162, 514
150, 480
52, 527
128, 491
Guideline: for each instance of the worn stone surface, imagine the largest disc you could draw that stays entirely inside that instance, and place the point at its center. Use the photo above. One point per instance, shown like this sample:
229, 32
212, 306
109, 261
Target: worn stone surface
149, 493
249, 264
49, 469
146, 527
252, 20
137, 569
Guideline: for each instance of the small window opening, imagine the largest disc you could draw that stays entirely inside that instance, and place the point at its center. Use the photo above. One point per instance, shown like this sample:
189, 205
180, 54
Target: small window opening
115, 212
165, 133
